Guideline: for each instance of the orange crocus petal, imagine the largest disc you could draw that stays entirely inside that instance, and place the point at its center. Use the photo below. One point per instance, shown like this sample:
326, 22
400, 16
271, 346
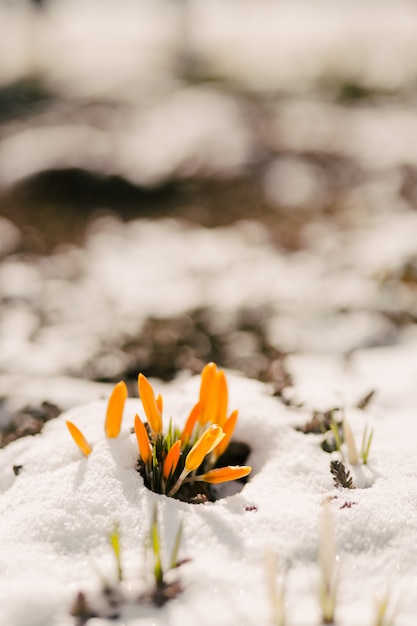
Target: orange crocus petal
171, 459
79, 439
191, 422
207, 376
208, 393
222, 398
203, 446
150, 406
115, 410
159, 403
223, 474
228, 428
145, 449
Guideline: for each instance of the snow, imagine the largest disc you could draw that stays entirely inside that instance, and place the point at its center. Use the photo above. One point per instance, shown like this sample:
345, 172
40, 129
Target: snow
136, 45
57, 513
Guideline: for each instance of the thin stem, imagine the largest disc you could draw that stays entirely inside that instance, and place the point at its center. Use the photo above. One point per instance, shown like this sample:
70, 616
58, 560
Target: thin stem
179, 482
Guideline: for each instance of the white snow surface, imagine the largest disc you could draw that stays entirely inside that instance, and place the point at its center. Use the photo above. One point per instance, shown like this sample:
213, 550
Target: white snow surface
57, 513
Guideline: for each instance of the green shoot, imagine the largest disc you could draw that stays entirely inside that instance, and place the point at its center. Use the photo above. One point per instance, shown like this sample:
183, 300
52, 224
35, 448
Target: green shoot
327, 563
114, 595
366, 444
334, 427
156, 547
332, 440
163, 590
383, 617
114, 539
276, 589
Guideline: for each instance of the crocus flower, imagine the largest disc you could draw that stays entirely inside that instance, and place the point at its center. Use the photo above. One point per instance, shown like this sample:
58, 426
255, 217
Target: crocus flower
222, 398
203, 446
159, 403
171, 459
145, 448
223, 474
161, 462
228, 429
150, 404
191, 422
115, 410
208, 393
79, 439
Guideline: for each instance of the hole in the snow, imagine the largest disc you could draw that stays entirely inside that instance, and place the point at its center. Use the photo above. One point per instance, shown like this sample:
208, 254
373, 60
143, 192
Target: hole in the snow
197, 492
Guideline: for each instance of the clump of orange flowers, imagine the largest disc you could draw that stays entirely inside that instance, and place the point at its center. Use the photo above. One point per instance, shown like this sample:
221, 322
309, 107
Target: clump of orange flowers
171, 462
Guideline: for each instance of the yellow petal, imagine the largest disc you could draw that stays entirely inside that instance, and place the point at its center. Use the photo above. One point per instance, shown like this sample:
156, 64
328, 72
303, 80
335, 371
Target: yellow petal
145, 449
150, 406
203, 446
222, 398
172, 458
79, 439
115, 408
223, 474
159, 402
191, 422
228, 430
208, 393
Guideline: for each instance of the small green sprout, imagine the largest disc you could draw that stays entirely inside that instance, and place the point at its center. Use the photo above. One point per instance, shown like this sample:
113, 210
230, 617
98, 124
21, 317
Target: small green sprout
116, 595
334, 427
156, 547
276, 588
109, 600
353, 455
332, 430
366, 444
114, 539
164, 590
327, 561
384, 616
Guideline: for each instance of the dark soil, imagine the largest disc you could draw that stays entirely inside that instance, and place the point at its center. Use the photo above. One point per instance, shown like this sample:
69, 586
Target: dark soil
55, 207
29, 421
166, 346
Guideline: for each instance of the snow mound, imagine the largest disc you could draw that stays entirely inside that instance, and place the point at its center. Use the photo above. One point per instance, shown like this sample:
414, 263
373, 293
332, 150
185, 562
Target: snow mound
57, 512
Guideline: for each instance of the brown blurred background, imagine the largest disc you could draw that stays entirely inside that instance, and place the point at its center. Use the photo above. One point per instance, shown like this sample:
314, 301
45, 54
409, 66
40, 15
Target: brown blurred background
296, 116
213, 110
